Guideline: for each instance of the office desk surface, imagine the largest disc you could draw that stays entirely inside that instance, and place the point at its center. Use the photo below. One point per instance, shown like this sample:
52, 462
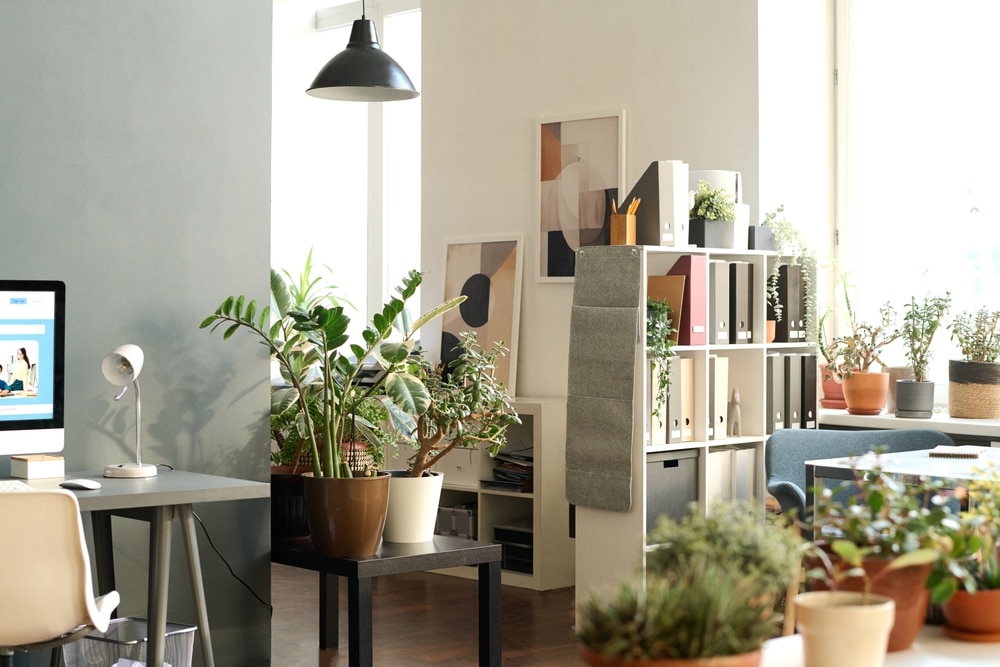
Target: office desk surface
169, 487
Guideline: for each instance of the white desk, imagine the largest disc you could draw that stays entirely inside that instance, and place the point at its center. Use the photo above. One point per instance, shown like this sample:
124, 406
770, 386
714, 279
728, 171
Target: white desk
159, 500
932, 649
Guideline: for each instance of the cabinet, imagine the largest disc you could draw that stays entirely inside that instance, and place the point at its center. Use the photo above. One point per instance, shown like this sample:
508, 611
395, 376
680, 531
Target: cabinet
532, 524
667, 474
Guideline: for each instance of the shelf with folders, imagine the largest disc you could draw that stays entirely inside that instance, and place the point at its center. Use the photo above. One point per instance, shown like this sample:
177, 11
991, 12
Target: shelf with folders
638, 467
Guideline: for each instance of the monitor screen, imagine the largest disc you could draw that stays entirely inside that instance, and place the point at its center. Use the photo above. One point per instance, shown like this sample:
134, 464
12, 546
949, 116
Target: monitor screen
32, 337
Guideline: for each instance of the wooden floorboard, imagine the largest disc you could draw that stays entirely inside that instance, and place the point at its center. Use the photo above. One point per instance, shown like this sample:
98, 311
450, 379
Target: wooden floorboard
422, 619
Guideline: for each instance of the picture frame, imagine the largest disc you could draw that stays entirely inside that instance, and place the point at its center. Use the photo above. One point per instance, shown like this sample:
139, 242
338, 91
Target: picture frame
581, 170
487, 270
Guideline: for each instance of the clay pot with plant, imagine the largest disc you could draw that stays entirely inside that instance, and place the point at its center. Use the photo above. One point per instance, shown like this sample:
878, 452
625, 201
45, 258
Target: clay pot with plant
854, 356
974, 380
922, 319
712, 218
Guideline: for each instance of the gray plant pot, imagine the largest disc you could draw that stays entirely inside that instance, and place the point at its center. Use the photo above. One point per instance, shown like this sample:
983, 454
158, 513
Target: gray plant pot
712, 233
914, 400
760, 237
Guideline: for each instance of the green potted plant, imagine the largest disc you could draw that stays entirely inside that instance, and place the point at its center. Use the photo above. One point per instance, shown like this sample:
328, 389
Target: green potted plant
878, 536
469, 407
966, 581
313, 361
915, 398
709, 595
712, 218
855, 353
974, 380
792, 275
660, 341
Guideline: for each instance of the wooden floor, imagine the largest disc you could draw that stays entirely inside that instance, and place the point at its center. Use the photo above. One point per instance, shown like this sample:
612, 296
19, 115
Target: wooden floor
422, 619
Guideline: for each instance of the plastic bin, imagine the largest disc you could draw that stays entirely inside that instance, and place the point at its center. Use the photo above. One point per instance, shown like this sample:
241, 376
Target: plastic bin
127, 638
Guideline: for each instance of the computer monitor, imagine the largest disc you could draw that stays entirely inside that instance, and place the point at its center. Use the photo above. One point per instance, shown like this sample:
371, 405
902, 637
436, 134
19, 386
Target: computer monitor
32, 354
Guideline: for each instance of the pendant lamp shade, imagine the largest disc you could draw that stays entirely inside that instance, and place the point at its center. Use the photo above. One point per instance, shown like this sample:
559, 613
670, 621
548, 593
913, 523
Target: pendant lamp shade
363, 72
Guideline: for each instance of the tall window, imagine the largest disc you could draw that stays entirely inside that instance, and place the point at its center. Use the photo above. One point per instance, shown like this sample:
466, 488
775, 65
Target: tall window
345, 175
920, 146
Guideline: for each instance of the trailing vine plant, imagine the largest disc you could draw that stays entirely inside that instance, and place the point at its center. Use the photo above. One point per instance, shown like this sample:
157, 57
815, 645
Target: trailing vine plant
659, 348
792, 249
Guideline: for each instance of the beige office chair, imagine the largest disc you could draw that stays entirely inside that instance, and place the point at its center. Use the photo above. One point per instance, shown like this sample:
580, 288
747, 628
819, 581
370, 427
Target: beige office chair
46, 594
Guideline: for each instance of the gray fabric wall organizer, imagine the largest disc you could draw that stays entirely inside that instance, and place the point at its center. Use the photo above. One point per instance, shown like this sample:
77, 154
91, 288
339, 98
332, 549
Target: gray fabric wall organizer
603, 344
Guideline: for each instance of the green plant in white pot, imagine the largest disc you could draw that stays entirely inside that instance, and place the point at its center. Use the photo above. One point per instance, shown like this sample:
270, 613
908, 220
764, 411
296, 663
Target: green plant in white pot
313, 360
712, 217
469, 407
922, 319
974, 380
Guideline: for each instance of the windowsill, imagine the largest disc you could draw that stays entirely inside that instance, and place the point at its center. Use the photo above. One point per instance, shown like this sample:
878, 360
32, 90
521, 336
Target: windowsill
939, 422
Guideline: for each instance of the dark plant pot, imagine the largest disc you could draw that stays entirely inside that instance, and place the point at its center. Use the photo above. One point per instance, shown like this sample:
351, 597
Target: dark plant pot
914, 400
760, 238
346, 515
973, 390
288, 506
712, 233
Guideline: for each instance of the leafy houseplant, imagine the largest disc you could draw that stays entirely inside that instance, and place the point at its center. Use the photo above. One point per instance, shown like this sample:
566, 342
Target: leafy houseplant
792, 250
712, 204
878, 535
309, 354
709, 591
915, 398
974, 381
659, 349
468, 405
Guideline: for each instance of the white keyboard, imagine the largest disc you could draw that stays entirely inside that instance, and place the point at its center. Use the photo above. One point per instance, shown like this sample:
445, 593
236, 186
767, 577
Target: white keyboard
13, 485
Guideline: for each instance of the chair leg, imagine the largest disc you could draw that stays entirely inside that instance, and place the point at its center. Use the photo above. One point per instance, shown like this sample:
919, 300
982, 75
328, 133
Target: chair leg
56, 658
6, 657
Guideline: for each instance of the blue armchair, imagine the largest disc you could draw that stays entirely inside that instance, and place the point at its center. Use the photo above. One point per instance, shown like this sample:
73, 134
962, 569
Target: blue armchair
787, 450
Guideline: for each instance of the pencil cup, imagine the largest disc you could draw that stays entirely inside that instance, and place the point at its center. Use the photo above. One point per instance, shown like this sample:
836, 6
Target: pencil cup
622, 229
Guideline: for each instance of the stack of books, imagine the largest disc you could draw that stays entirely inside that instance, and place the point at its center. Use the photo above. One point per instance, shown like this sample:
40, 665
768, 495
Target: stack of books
513, 470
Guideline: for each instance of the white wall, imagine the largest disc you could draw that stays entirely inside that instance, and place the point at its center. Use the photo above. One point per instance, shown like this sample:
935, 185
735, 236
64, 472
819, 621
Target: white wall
134, 166
685, 71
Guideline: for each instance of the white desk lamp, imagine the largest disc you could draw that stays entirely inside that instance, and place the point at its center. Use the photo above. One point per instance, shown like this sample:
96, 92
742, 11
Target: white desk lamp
120, 367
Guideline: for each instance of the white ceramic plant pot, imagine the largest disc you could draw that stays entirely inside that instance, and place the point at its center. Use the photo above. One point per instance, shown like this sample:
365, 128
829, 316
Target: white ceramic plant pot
835, 625
413, 507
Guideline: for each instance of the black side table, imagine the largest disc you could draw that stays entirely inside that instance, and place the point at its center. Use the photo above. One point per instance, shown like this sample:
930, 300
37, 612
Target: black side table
392, 558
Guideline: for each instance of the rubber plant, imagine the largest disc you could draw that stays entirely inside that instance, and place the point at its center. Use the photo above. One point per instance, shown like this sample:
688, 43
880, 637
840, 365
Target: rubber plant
312, 358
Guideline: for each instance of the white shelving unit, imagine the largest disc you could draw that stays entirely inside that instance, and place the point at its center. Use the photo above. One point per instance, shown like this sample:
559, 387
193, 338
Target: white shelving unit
541, 514
610, 544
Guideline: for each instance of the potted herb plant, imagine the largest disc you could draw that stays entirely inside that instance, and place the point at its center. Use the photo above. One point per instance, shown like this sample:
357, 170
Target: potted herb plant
708, 597
966, 581
469, 407
974, 381
312, 360
792, 276
660, 341
876, 536
854, 355
915, 398
712, 218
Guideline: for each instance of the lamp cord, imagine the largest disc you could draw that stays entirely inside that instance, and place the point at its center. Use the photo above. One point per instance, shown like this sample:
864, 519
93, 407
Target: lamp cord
204, 529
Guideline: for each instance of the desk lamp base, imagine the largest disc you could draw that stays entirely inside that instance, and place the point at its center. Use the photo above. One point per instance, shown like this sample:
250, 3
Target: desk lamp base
130, 470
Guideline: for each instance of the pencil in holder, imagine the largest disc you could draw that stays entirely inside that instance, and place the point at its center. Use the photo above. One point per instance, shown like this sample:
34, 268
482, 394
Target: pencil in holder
622, 229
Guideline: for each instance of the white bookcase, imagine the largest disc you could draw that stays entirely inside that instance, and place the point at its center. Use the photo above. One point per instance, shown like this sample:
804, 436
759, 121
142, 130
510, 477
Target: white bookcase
609, 544
541, 514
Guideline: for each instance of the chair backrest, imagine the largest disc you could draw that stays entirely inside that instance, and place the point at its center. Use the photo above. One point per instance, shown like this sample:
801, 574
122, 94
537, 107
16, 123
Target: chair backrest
787, 450
45, 582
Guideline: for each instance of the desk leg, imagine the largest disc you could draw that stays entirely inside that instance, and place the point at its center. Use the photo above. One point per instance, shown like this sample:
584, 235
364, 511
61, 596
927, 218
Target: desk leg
489, 614
104, 553
359, 621
810, 495
197, 582
159, 575
329, 610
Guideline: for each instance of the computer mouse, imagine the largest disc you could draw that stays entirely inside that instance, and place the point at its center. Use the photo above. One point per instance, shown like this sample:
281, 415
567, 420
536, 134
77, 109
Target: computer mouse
80, 484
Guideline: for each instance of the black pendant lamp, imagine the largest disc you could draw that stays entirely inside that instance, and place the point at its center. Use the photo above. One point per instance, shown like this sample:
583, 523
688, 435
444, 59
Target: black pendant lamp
363, 72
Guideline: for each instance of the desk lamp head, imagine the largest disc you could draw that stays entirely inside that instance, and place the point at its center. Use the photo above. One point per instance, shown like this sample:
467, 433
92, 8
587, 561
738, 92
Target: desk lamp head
121, 367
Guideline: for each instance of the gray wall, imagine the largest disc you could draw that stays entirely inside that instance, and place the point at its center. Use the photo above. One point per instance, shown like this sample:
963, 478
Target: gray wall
135, 166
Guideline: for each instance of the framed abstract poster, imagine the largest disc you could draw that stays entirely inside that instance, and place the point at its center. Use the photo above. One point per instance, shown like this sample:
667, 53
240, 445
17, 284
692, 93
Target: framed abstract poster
488, 272
581, 169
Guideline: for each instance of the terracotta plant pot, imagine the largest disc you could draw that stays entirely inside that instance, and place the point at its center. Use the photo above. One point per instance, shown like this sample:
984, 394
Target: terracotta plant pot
346, 515
772, 330
973, 617
865, 393
741, 660
833, 391
835, 625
